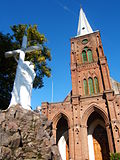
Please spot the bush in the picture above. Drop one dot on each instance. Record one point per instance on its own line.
(114, 156)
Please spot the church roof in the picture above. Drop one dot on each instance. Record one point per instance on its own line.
(83, 24)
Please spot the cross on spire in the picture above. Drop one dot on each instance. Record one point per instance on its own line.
(83, 24)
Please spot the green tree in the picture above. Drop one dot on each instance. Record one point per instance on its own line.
(8, 66)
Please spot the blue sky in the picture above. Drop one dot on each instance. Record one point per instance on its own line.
(58, 20)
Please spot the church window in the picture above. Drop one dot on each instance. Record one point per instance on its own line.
(85, 87)
(84, 56)
(96, 85)
(89, 55)
(84, 41)
(90, 84)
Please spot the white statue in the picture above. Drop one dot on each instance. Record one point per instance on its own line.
(25, 74)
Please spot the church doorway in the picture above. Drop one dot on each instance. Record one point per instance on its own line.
(97, 138)
(62, 138)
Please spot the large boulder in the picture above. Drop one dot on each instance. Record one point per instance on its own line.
(26, 135)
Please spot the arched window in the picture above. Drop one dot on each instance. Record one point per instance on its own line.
(96, 85)
(85, 86)
(89, 55)
(84, 56)
(90, 84)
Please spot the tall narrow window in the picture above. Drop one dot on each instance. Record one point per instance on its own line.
(85, 87)
(91, 88)
(89, 54)
(96, 85)
(84, 56)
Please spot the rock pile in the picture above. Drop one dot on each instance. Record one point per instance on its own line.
(26, 135)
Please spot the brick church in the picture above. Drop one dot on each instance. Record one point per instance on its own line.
(86, 125)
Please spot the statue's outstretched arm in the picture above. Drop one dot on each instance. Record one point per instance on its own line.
(15, 53)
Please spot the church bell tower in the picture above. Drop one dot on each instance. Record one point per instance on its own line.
(88, 63)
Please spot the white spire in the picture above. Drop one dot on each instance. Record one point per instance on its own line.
(83, 24)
